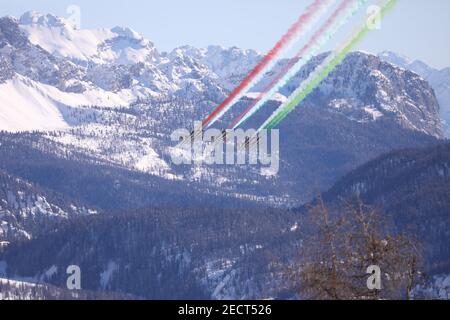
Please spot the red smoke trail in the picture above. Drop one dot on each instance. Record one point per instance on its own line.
(294, 60)
(316, 5)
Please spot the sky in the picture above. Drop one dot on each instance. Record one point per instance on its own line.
(419, 29)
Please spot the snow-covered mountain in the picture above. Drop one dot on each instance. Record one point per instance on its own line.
(439, 80)
(49, 68)
(118, 59)
(231, 65)
(366, 89)
(103, 46)
(107, 67)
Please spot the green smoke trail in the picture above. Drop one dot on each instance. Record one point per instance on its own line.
(323, 72)
(345, 11)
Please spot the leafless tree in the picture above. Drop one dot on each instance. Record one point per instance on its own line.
(339, 248)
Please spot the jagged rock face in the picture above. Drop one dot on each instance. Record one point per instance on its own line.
(118, 59)
(438, 79)
(364, 89)
(6, 69)
(231, 65)
(110, 77)
(11, 34)
(32, 61)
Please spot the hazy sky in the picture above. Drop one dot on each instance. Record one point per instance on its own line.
(419, 29)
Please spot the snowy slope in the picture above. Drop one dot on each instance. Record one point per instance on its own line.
(29, 105)
(23, 107)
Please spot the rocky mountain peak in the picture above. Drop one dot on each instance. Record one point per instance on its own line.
(365, 88)
(438, 79)
(43, 20)
(10, 33)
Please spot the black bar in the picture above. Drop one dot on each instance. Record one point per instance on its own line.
(229, 309)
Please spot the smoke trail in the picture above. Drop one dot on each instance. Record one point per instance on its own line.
(346, 10)
(322, 71)
(306, 20)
